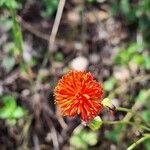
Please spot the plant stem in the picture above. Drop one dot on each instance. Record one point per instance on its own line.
(18, 40)
(56, 24)
(123, 109)
(51, 46)
(118, 122)
(126, 122)
(130, 113)
(135, 107)
(145, 137)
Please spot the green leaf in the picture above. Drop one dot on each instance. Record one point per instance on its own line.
(2, 3)
(147, 144)
(133, 48)
(115, 8)
(8, 98)
(18, 112)
(138, 59)
(82, 138)
(77, 142)
(122, 57)
(143, 95)
(90, 138)
(146, 115)
(109, 84)
(127, 10)
(50, 7)
(9, 106)
(9, 4)
(59, 56)
(125, 7)
(8, 63)
(125, 55)
(143, 8)
(6, 23)
(114, 135)
(10, 110)
(147, 62)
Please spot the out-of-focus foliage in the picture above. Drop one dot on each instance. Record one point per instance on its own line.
(82, 138)
(50, 7)
(110, 84)
(133, 54)
(132, 11)
(136, 12)
(92, 1)
(115, 134)
(10, 4)
(8, 63)
(143, 97)
(59, 56)
(10, 110)
(147, 144)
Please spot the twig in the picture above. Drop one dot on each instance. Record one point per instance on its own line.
(67, 132)
(44, 36)
(36, 142)
(56, 24)
(25, 131)
(53, 131)
(53, 34)
(145, 137)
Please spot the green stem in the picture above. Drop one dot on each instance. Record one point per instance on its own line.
(18, 40)
(137, 105)
(145, 137)
(117, 122)
(123, 109)
(145, 127)
(129, 114)
(126, 122)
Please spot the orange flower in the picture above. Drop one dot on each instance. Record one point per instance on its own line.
(77, 93)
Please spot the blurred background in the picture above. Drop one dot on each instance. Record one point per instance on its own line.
(109, 38)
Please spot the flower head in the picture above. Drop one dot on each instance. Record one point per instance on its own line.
(77, 93)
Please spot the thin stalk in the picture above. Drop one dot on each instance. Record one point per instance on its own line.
(145, 137)
(18, 40)
(130, 112)
(56, 24)
(117, 122)
(53, 34)
(123, 109)
(126, 122)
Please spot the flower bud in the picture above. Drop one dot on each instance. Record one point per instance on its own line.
(96, 123)
(108, 103)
